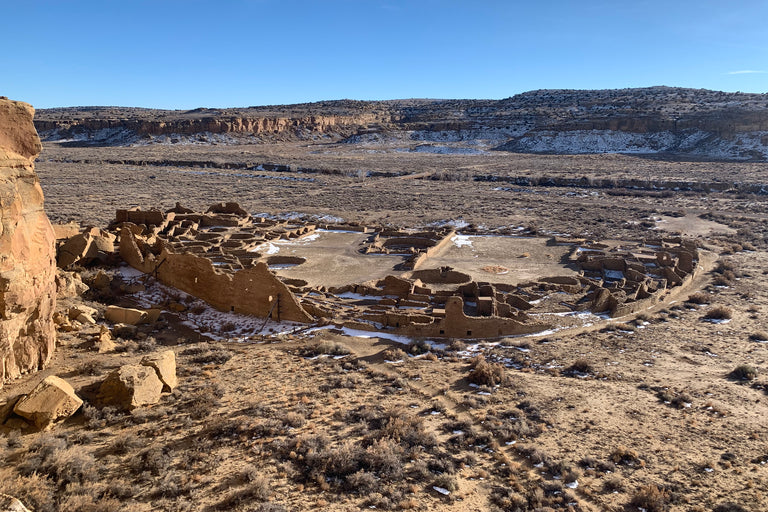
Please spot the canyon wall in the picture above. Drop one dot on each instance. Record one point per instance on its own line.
(27, 253)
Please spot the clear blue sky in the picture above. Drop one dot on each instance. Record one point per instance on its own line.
(187, 54)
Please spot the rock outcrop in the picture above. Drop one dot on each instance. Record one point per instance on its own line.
(27, 252)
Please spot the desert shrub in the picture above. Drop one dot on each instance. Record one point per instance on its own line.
(92, 367)
(123, 443)
(580, 366)
(624, 455)
(326, 347)
(457, 346)
(362, 482)
(699, 298)
(614, 484)
(729, 507)
(201, 354)
(719, 313)
(418, 346)
(36, 491)
(147, 344)
(487, 374)
(743, 372)
(204, 401)
(100, 418)
(383, 458)
(446, 482)
(395, 354)
(293, 419)
(507, 499)
(650, 498)
(257, 490)
(153, 460)
(268, 507)
(87, 503)
(759, 336)
(535, 455)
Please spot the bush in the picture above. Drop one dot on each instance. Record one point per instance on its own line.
(580, 366)
(699, 298)
(650, 498)
(743, 372)
(487, 374)
(326, 347)
(759, 336)
(719, 313)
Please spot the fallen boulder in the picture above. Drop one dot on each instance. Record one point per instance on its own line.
(104, 342)
(131, 386)
(118, 315)
(51, 400)
(85, 248)
(83, 314)
(164, 364)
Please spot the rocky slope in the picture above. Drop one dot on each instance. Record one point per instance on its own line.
(694, 122)
(27, 264)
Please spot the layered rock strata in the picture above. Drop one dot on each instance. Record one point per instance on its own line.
(27, 253)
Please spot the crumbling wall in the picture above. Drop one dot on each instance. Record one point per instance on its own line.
(27, 249)
(252, 291)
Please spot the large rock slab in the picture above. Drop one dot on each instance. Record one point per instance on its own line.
(131, 386)
(51, 400)
(130, 316)
(11, 504)
(27, 249)
(164, 364)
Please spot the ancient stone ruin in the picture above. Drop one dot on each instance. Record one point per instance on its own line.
(222, 256)
(27, 257)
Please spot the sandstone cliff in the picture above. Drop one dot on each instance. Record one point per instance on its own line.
(27, 255)
(648, 120)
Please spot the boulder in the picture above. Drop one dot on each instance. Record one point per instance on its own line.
(69, 284)
(86, 248)
(27, 250)
(81, 309)
(52, 400)
(118, 315)
(101, 281)
(11, 504)
(164, 364)
(104, 342)
(131, 386)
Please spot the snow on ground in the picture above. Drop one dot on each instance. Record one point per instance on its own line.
(743, 146)
(461, 241)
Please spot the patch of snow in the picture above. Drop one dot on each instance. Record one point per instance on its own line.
(461, 241)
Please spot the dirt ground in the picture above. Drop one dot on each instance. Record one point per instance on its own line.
(630, 414)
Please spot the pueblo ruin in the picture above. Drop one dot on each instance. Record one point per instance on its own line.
(232, 260)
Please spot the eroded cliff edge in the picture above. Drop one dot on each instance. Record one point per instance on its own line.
(27, 252)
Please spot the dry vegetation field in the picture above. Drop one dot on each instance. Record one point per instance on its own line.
(665, 410)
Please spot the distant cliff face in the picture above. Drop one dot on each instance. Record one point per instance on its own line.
(27, 264)
(657, 119)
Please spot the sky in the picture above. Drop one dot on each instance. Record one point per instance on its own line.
(237, 53)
